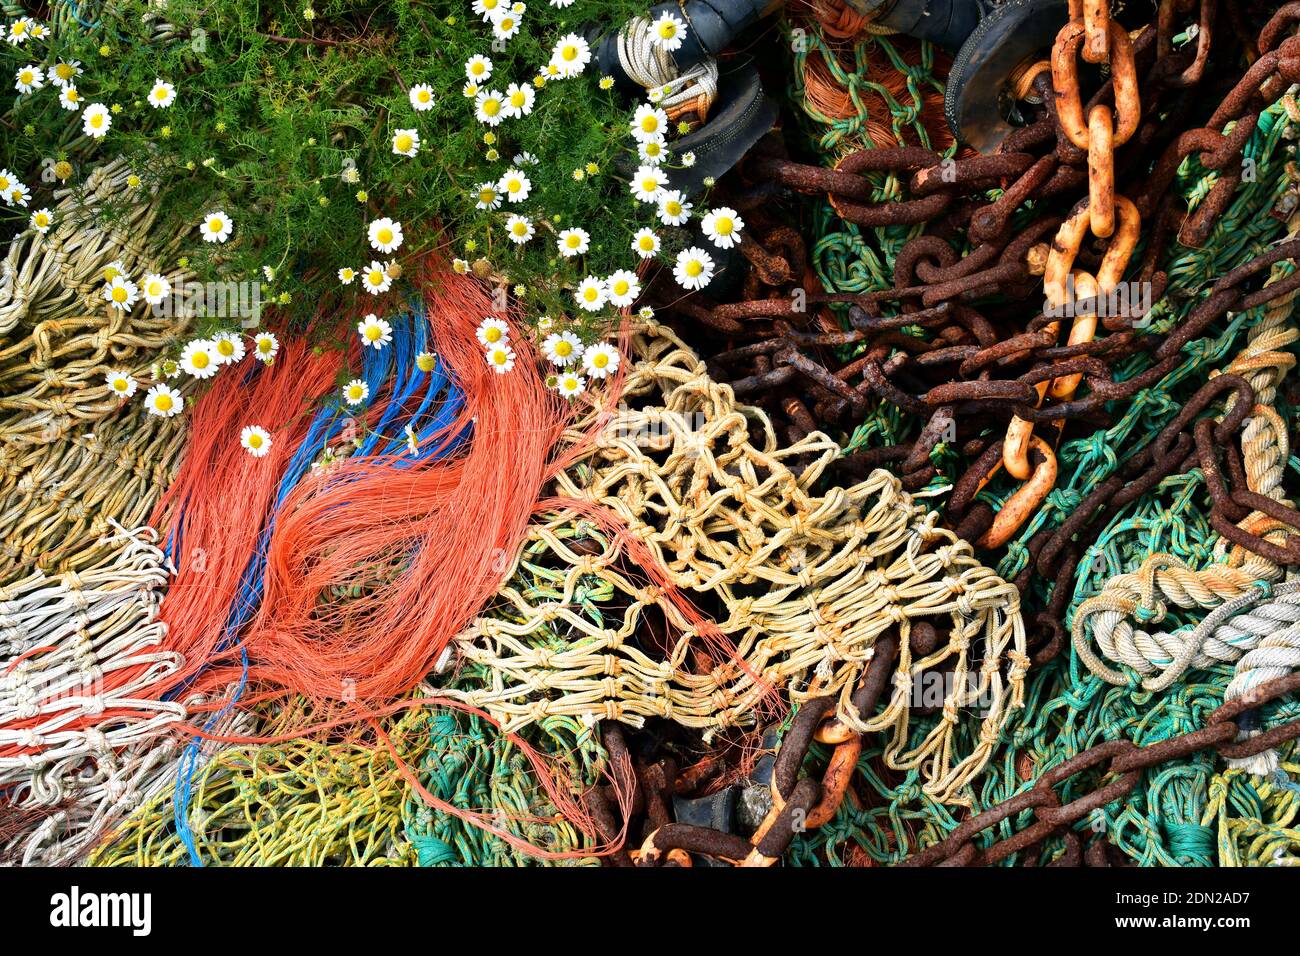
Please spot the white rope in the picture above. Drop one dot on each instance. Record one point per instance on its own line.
(651, 66)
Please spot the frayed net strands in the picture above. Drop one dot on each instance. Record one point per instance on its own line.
(73, 738)
(70, 457)
(803, 585)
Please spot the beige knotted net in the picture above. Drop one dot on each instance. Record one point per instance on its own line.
(72, 456)
(801, 581)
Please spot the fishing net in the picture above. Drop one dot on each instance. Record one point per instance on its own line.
(800, 584)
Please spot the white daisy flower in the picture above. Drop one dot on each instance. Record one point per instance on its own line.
(265, 346)
(520, 229)
(573, 242)
(519, 100)
(29, 79)
(688, 158)
(41, 220)
(268, 273)
(469, 90)
(478, 69)
(571, 55)
(623, 287)
(694, 268)
(561, 4)
(385, 234)
(645, 243)
(347, 274)
(515, 185)
(20, 31)
(591, 294)
(216, 227)
(673, 209)
(162, 95)
(525, 159)
(164, 401)
(649, 120)
(421, 97)
(38, 31)
(406, 142)
(489, 197)
(505, 25)
(229, 346)
(121, 293)
(722, 226)
(489, 107)
(646, 312)
(500, 358)
(652, 149)
(668, 32)
(648, 183)
(17, 195)
(355, 392)
(120, 384)
(375, 332)
(426, 361)
(562, 348)
(200, 359)
(600, 360)
(571, 385)
(487, 9)
(376, 278)
(64, 72)
(96, 120)
(7, 180)
(155, 288)
(113, 270)
(492, 332)
(255, 440)
(70, 98)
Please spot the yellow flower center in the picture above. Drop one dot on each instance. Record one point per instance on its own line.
(225, 347)
(517, 98)
(264, 346)
(255, 440)
(601, 360)
(652, 148)
(570, 52)
(374, 333)
(404, 142)
(73, 95)
(119, 384)
(649, 184)
(646, 243)
(477, 69)
(27, 76)
(650, 124)
(667, 30)
(119, 294)
(673, 208)
(507, 24)
(160, 93)
(723, 226)
(376, 277)
(385, 236)
(486, 195)
(491, 106)
(519, 228)
(42, 219)
(621, 287)
(20, 28)
(63, 71)
(590, 293)
(354, 391)
(163, 403)
(348, 274)
(155, 288)
(199, 360)
(492, 334)
(97, 120)
(694, 267)
(425, 361)
(563, 349)
(423, 96)
(571, 241)
(214, 224)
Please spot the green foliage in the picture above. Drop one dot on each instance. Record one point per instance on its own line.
(276, 102)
